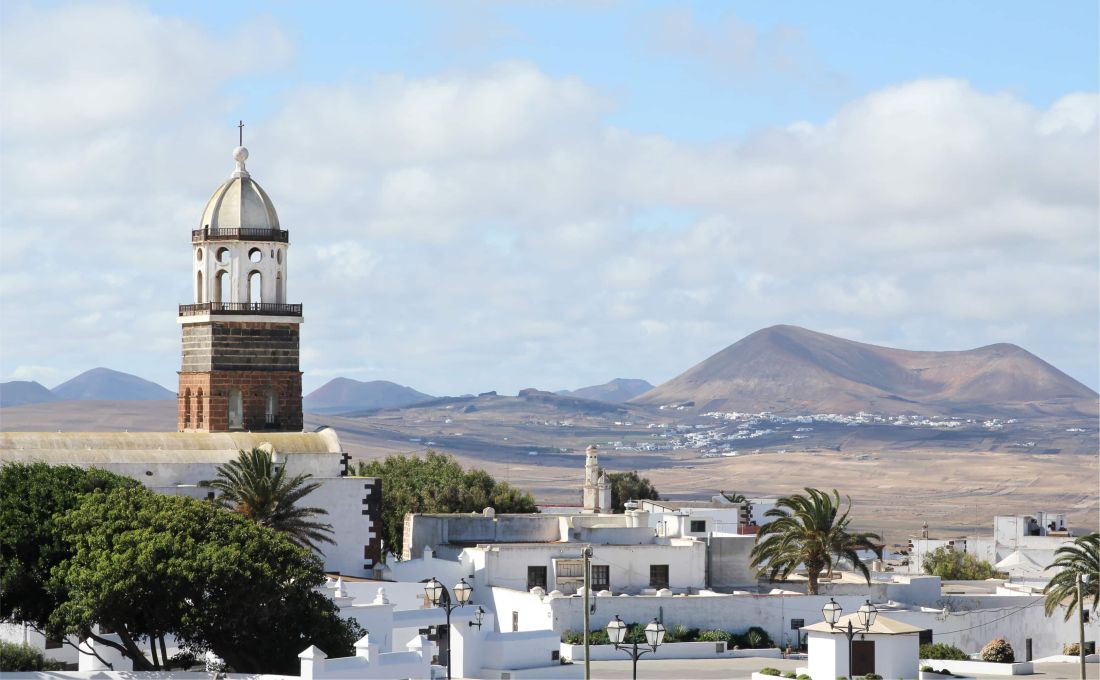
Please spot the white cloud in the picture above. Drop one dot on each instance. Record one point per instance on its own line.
(480, 230)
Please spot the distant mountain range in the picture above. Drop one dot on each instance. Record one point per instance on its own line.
(341, 395)
(98, 384)
(788, 370)
(617, 391)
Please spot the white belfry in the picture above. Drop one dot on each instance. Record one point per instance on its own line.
(597, 489)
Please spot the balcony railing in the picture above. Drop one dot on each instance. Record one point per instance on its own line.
(258, 308)
(240, 234)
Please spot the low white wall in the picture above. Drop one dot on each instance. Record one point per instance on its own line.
(979, 667)
(671, 650)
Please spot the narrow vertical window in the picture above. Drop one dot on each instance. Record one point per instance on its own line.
(236, 410)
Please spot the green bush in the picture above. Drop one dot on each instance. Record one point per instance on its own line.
(926, 669)
(790, 674)
(769, 671)
(803, 676)
(754, 638)
(943, 652)
(15, 657)
(714, 636)
(679, 633)
(872, 676)
(998, 651)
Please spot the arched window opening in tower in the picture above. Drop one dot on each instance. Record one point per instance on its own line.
(198, 288)
(255, 287)
(187, 408)
(222, 291)
(223, 256)
(255, 255)
(280, 297)
(236, 410)
(198, 409)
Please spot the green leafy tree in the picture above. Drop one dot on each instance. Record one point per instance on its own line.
(955, 565)
(260, 489)
(1082, 557)
(812, 530)
(32, 496)
(436, 483)
(627, 486)
(146, 566)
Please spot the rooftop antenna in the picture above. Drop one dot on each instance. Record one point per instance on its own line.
(240, 133)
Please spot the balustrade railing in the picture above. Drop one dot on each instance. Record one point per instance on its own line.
(259, 308)
(239, 234)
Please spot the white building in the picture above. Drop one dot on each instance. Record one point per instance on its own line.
(888, 648)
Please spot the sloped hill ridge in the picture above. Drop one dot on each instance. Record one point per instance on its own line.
(616, 391)
(19, 392)
(341, 395)
(108, 385)
(787, 370)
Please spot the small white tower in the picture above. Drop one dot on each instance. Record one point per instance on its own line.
(597, 488)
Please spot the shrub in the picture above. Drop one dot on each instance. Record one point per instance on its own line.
(756, 638)
(943, 652)
(16, 657)
(769, 671)
(926, 669)
(789, 674)
(1071, 649)
(872, 676)
(595, 637)
(714, 636)
(803, 676)
(998, 651)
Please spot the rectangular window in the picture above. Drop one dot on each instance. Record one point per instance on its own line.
(515, 622)
(698, 526)
(658, 576)
(536, 577)
(601, 577)
(52, 643)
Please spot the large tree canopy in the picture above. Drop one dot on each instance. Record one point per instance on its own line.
(261, 490)
(627, 486)
(146, 565)
(809, 529)
(436, 483)
(956, 565)
(31, 497)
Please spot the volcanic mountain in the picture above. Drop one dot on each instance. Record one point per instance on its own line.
(616, 391)
(791, 370)
(104, 384)
(343, 395)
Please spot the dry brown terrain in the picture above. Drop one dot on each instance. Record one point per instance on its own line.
(895, 487)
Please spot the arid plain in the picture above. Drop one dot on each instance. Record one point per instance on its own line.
(897, 479)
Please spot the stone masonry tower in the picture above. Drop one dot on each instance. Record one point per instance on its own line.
(240, 337)
(597, 488)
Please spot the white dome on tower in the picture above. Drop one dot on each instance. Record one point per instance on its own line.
(239, 203)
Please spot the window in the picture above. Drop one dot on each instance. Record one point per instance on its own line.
(255, 255)
(536, 576)
(698, 526)
(53, 643)
(198, 409)
(187, 408)
(198, 287)
(601, 577)
(255, 287)
(658, 576)
(236, 410)
(515, 622)
(271, 408)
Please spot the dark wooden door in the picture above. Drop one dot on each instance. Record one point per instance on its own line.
(863, 657)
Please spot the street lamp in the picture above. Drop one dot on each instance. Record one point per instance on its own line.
(439, 597)
(654, 636)
(866, 615)
(479, 615)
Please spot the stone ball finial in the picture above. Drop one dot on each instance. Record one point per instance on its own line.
(240, 154)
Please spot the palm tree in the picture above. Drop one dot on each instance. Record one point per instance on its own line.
(807, 530)
(258, 488)
(1082, 557)
(734, 497)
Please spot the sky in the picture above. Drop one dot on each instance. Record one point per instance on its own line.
(501, 195)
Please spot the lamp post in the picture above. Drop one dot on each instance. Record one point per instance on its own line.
(866, 615)
(439, 597)
(654, 635)
(479, 615)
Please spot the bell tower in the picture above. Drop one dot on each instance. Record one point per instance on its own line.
(240, 336)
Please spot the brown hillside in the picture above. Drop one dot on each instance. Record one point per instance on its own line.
(786, 369)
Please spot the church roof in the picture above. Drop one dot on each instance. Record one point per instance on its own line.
(881, 626)
(240, 202)
(174, 447)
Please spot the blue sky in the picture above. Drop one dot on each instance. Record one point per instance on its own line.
(554, 194)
